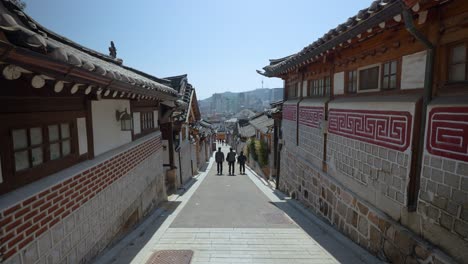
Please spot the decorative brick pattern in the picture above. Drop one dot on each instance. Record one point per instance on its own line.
(49, 211)
(386, 169)
(447, 132)
(289, 129)
(290, 112)
(355, 218)
(310, 116)
(391, 129)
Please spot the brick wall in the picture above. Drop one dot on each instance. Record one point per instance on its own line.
(74, 219)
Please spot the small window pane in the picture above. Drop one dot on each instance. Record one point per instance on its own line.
(36, 135)
(457, 72)
(458, 54)
(386, 68)
(37, 156)
(394, 67)
(21, 160)
(53, 133)
(385, 83)
(19, 139)
(369, 78)
(66, 147)
(65, 130)
(55, 151)
(392, 82)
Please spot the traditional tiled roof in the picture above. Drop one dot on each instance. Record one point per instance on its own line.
(22, 31)
(378, 12)
(247, 131)
(262, 123)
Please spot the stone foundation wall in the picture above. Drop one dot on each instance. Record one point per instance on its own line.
(360, 221)
(72, 220)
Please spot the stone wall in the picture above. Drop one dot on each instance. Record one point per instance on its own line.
(360, 221)
(71, 220)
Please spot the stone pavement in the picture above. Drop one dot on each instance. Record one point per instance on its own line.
(235, 219)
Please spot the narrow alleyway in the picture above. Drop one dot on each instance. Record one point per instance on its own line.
(235, 219)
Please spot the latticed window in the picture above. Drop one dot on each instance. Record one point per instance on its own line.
(389, 75)
(457, 68)
(38, 145)
(351, 85)
(327, 85)
(147, 120)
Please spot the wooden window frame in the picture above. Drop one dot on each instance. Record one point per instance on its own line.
(397, 74)
(13, 179)
(448, 62)
(379, 65)
(353, 81)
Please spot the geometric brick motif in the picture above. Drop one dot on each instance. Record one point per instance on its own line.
(390, 129)
(447, 132)
(310, 116)
(290, 112)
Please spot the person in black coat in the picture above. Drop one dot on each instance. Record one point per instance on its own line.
(241, 159)
(219, 158)
(231, 159)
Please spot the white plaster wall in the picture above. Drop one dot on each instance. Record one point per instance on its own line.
(82, 135)
(413, 70)
(136, 123)
(155, 118)
(304, 88)
(338, 83)
(106, 129)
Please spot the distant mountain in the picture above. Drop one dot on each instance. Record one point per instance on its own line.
(259, 92)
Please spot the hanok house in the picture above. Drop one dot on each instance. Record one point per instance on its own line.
(375, 129)
(80, 146)
(203, 132)
(185, 146)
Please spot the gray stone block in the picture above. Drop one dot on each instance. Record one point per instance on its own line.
(57, 233)
(452, 208)
(433, 213)
(426, 172)
(448, 165)
(462, 168)
(431, 186)
(44, 243)
(400, 198)
(437, 175)
(426, 160)
(446, 221)
(461, 228)
(464, 184)
(383, 153)
(443, 190)
(452, 180)
(459, 197)
(436, 162)
(363, 226)
(30, 253)
(401, 159)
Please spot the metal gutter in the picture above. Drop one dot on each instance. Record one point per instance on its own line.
(427, 97)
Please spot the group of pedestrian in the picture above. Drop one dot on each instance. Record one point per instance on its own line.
(231, 159)
(221, 141)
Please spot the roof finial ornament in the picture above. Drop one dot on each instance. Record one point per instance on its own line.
(112, 50)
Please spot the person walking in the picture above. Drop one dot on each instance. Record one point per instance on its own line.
(231, 159)
(219, 158)
(241, 160)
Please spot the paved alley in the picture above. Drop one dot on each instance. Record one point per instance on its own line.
(234, 219)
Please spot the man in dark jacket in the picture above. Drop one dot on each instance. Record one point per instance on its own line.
(231, 159)
(219, 158)
(241, 160)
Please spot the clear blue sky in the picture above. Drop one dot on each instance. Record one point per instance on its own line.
(218, 43)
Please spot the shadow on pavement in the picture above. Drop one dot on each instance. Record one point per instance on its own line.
(321, 236)
(130, 244)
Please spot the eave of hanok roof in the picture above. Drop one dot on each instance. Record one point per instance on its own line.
(375, 15)
(32, 48)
